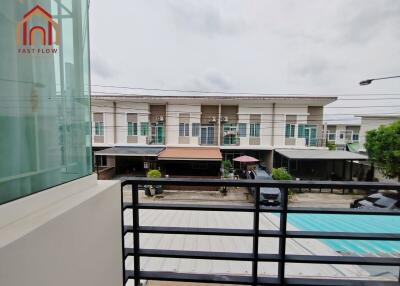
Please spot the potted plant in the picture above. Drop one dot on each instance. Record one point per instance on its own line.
(151, 190)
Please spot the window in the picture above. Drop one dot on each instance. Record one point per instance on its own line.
(355, 137)
(254, 129)
(301, 131)
(144, 128)
(242, 129)
(101, 161)
(290, 130)
(341, 136)
(132, 128)
(195, 129)
(99, 128)
(183, 129)
(331, 136)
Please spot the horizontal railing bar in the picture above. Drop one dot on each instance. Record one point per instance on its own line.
(246, 280)
(203, 231)
(354, 260)
(231, 208)
(196, 231)
(126, 206)
(250, 208)
(265, 233)
(341, 211)
(259, 183)
(197, 278)
(335, 282)
(192, 254)
(290, 258)
(343, 235)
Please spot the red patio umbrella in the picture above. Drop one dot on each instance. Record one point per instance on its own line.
(245, 159)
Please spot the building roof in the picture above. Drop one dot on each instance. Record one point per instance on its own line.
(131, 151)
(206, 98)
(191, 153)
(317, 154)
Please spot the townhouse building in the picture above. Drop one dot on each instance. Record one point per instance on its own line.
(342, 135)
(187, 135)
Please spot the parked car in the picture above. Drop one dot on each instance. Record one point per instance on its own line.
(269, 196)
(390, 201)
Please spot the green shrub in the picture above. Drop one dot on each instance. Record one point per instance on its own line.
(281, 174)
(331, 146)
(154, 174)
(227, 165)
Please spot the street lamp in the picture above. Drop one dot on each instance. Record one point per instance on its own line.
(368, 81)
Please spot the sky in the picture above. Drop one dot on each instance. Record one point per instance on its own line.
(281, 47)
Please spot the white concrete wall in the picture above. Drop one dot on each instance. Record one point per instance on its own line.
(266, 123)
(67, 235)
(369, 123)
(281, 111)
(172, 133)
(194, 109)
(125, 107)
(105, 107)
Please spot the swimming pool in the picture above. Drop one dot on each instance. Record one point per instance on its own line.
(352, 223)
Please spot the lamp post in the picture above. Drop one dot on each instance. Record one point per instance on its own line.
(368, 81)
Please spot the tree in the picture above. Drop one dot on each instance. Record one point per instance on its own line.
(383, 148)
(281, 174)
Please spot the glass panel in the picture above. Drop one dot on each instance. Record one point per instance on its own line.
(144, 128)
(242, 129)
(44, 93)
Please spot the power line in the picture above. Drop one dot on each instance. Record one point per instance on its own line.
(240, 93)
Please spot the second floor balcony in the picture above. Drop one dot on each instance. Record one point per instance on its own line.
(256, 243)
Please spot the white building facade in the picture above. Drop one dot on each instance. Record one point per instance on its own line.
(235, 124)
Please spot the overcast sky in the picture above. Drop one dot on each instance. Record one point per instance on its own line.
(299, 46)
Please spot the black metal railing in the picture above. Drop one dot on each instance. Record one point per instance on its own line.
(255, 257)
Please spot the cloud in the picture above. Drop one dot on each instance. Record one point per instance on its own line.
(205, 18)
(100, 67)
(362, 21)
(210, 81)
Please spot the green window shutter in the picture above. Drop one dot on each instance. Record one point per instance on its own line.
(132, 128)
(287, 131)
(257, 127)
(242, 129)
(300, 132)
(130, 131)
(292, 130)
(144, 128)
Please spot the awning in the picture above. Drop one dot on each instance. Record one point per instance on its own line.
(353, 147)
(130, 151)
(191, 153)
(314, 154)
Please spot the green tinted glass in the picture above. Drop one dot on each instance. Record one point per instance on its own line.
(44, 92)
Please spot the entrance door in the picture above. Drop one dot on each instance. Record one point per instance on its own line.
(157, 133)
(207, 135)
(310, 133)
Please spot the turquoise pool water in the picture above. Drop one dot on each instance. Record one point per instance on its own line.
(351, 223)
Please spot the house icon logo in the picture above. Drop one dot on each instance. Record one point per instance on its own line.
(37, 39)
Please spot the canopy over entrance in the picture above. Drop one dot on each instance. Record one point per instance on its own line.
(191, 153)
(320, 154)
(136, 151)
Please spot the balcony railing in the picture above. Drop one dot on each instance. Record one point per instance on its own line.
(255, 233)
(155, 140)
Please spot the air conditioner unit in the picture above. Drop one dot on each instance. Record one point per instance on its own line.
(224, 119)
(160, 118)
(212, 119)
